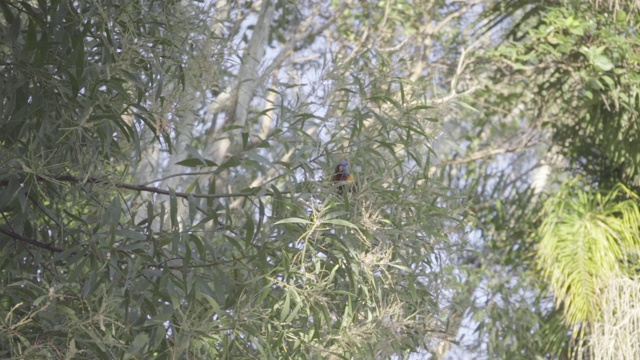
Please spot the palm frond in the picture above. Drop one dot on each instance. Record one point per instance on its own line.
(583, 241)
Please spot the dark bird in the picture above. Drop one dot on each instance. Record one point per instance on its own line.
(343, 177)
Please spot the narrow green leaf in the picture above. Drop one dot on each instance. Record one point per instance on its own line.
(196, 162)
(173, 208)
(340, 222)
(293, 221)
(284, 312)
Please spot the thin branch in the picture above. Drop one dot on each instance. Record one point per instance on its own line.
(451, 96)
(524, 143)
(453, 15)
(211, 172)
(46, 211)
(304, 31)
(156, 190)
(143, 188)
(29, 241)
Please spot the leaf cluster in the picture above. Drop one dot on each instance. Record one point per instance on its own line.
(559, 101)
(93, 266)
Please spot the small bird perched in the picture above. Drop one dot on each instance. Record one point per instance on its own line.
(343, 175)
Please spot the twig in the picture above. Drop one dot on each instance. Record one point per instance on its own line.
(180, 174)
(524, 143)
(27, 240)
(452, 96)
(143, 188)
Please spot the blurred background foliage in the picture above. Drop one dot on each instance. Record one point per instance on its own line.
(165, 178)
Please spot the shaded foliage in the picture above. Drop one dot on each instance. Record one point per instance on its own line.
(228, 262)
(558, 102)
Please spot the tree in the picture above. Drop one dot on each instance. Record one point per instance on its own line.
(230, 253)
(559, 102)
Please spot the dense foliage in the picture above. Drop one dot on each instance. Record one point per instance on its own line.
(556, 193)
(251, 253)
(165, 179)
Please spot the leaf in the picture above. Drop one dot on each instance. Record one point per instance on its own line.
(284, 312)
(152, 272)
(130, 234)
(340, 222)
(165, 314)
(466, 106)
(138, 344)
(231, 163)
(293, 221)
(249, 228)
(112, 213)
(602, 62)
(245, 139)
(158, 335)
(196, 162)
(173, 208)
(421, 107)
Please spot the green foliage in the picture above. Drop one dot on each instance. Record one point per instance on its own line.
(586, 76)
(79, 82)
(228, 262)
(584, 240)
(76, 74)
(558, 99)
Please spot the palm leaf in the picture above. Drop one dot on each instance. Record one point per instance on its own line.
(583, 240)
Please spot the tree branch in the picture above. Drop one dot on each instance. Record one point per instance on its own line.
(143, 188)
(525, 142)
(29, 241)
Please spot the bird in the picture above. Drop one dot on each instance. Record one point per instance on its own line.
(343, 177)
